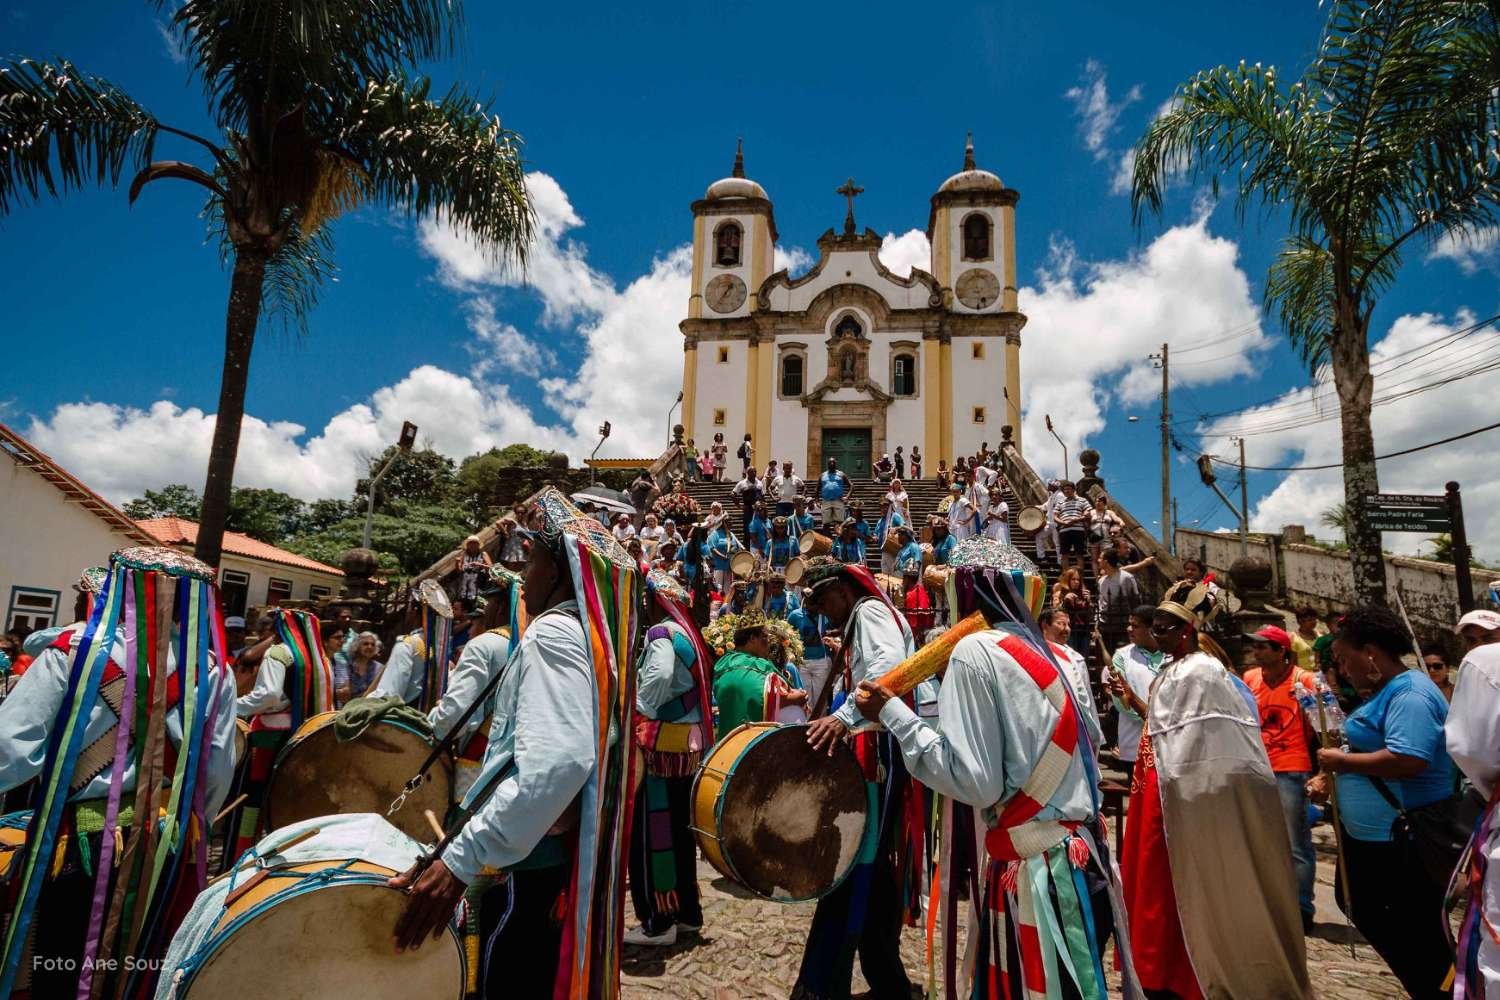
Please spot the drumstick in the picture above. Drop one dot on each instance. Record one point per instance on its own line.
(229, 808)
(437, 827)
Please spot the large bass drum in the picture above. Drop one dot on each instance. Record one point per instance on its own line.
(313, 922)
(317, 775)
(775, 815)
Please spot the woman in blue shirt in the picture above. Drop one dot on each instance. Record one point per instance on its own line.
(1395, 737)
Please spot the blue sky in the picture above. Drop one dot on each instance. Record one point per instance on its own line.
(627, 116)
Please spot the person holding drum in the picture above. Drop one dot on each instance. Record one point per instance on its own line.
(1011, 745)
(800, 521)
(864, 914)
(60, 726)
(545, 809)
(672, 731)
(849, 547)
(996, 520)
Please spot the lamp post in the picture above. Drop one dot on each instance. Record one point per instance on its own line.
(603, 437)
(1064, 447)
(408, 438)
(670, 410)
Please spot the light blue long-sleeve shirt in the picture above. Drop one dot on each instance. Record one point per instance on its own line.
(543, 741)
(29, 713)
(404, 671)
(880, 642)
(482, 658)
(664, 675)
(995, 726)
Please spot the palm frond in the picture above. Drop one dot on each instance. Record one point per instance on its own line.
(1301, 288)
(449, 157)
(259, 59)
(1234, 121)
(295, 276)
(61, 129)
(340, 187)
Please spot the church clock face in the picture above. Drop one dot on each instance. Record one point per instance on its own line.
(726, 293)
(977, 288)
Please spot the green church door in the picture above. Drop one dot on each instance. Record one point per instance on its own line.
(851, 446)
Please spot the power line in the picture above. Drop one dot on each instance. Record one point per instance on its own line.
(1383, 367)
(1378, 458)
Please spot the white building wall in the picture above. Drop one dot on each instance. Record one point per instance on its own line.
(262, 573)
(46, 540)
(742, 271)
(955, 249)
(849, 267)
(978, 382)
(721, 386)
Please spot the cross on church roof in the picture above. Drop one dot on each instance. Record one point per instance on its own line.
(850, 191)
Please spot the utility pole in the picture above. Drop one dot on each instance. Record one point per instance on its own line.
(1166, 449)
(1172, 548)
(1244, 505)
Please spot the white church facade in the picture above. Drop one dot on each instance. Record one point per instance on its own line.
(849, 360)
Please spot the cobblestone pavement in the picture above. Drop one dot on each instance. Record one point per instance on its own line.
(751, 948)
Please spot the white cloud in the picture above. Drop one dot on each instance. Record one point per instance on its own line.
(904, 252)
(1097, 115)
(171, 41)
(557, 267)
(793, 260)
(1124, 175)
(1470, 251)
(1092, 326)
(1399, 357)
(632, 362)
(500, 346)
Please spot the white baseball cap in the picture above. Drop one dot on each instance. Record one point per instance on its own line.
(1487, 620)
(234, 621)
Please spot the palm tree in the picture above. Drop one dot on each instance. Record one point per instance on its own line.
(1385, 142)
(317, 112)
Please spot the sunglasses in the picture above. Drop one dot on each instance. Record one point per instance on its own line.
(1167, 629)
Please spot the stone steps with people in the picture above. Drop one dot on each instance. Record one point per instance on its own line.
(924, 497)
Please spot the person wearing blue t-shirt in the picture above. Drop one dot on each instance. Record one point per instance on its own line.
(848, 547)
(799, 521)
(719, 547)
(911, 553)
(780, 547)
(833, 487)
(758, 533)
(1396, 754)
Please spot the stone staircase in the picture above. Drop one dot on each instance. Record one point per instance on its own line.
(924, 496)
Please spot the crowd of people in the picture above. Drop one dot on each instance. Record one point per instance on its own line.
(988, 702)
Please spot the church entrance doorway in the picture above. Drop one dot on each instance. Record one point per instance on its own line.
(851, 446)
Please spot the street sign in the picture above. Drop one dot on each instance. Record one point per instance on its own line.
(1408, 519)
(1438, 501)
(1408, 512)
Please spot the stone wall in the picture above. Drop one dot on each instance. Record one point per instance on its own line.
(1311, 574)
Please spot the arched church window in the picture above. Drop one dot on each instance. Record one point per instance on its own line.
(977, 237)
(848, 328)
(727, 244)
(904, 375)
(791, 375)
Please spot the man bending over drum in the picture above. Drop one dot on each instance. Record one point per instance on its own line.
(1014, 747)
(543, 809)
(875, 637)
(672, 730)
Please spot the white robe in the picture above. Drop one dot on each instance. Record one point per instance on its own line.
(1473, 732)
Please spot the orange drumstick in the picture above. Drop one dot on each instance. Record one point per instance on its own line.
(927, 661)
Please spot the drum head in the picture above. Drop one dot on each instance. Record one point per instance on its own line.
(794, 569)
(319, 776)
(791, 817)
(330, 942)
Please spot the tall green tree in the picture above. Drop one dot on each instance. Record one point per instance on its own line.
(317, 111)
(174, 500)
(1387, 141)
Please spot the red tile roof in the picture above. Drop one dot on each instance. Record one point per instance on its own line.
(177, 532)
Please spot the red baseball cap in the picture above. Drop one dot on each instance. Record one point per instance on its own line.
(1270, 633)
